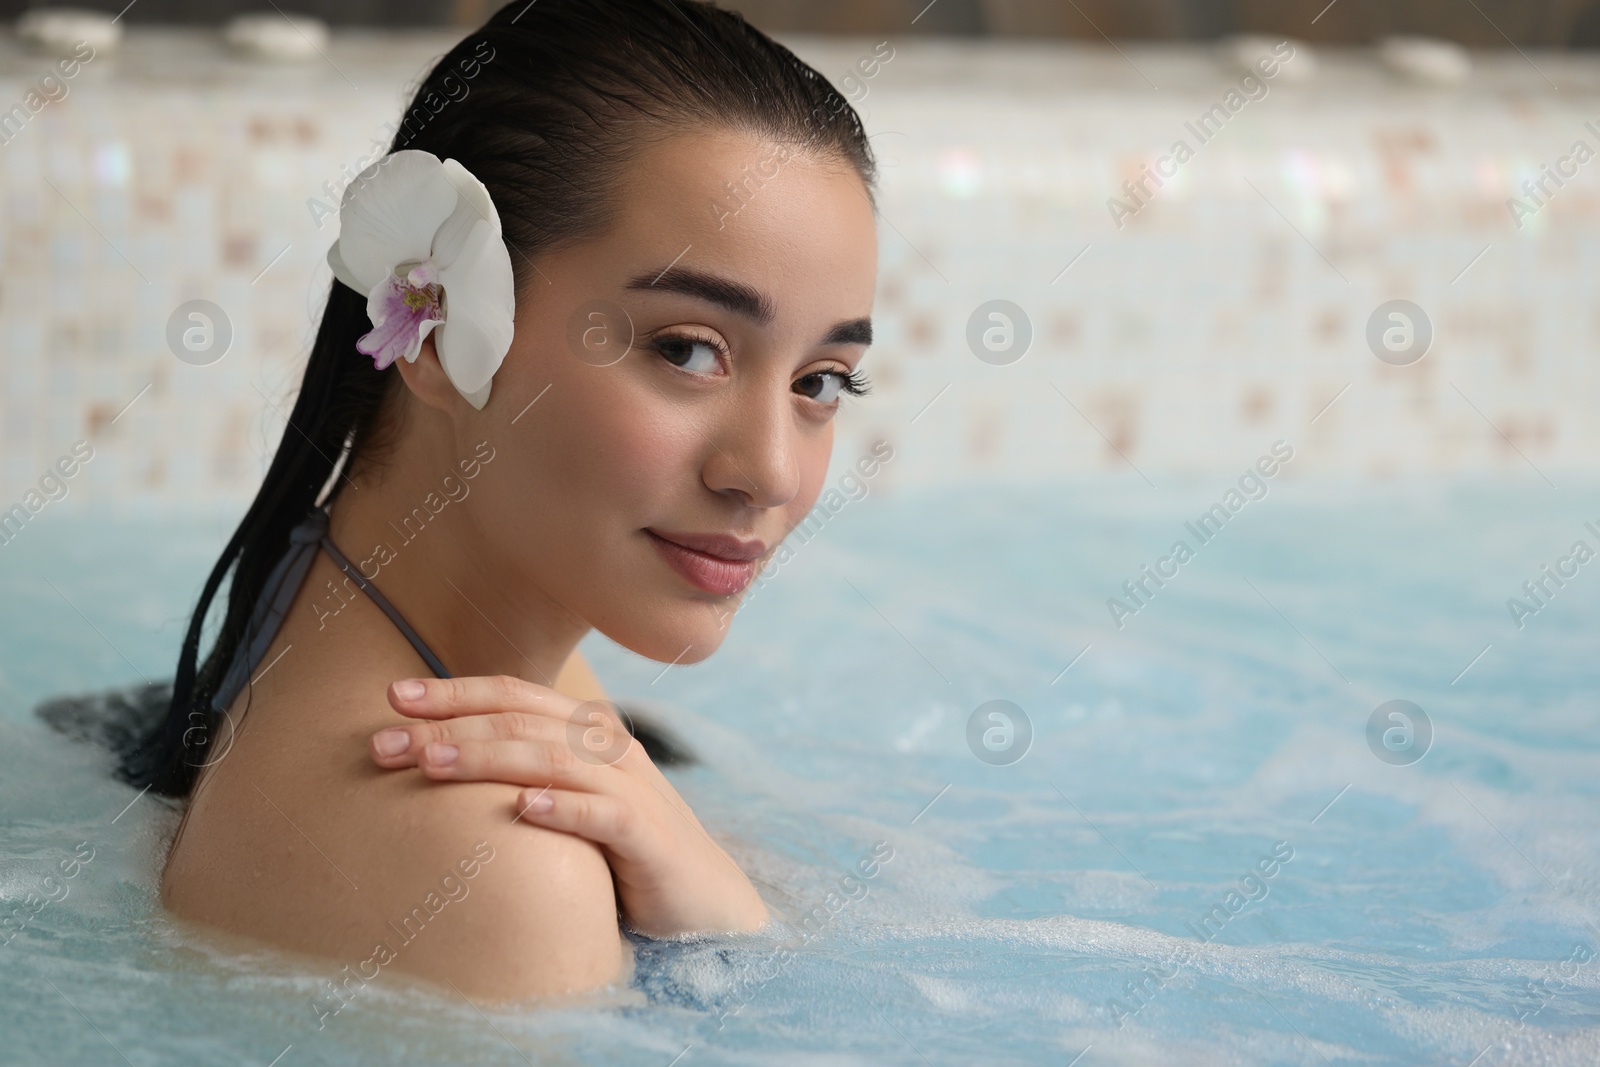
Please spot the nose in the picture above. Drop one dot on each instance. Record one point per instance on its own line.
(754, 451)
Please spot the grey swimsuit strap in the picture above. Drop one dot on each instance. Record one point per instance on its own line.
(278, 593)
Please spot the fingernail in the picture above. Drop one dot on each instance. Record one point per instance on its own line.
(411, 689)
(538, 804)
(440, 755)
(391, 742)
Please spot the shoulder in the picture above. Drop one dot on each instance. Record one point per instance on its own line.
(297, 839)
(577, 679)
(499, 908)
(433, 879)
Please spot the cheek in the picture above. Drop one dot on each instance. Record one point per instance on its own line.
(813, 453)
(598, 457)
(621, 446)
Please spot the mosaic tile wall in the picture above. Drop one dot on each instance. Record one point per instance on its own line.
(1229, 310)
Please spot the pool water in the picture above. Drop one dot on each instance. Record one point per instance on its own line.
(1200, 858)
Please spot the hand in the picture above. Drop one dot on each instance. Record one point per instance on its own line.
(587, 777)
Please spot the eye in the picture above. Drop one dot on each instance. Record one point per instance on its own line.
(824, 386)
(698, 355)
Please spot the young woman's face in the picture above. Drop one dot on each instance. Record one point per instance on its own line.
(745, 277)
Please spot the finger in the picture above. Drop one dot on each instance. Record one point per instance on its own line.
(448, 698)
(402, 746)
(537, 763)
(605, 820)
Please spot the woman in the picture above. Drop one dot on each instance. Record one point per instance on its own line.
(686, 213)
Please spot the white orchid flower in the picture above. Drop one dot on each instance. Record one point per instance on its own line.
(422, 239)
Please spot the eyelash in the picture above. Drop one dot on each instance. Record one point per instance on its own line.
(854, 383)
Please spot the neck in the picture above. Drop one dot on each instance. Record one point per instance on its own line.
(411, 529)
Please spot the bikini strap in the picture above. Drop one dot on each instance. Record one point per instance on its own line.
(355, 575)
(278, 593)
(266, 617)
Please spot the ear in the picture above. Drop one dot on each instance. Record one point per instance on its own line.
(427, 381)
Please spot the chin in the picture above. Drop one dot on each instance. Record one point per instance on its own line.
(679, 633)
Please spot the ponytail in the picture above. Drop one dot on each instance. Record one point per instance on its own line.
(336, 414)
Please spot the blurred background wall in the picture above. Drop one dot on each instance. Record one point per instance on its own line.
(1176, 343)
(1483, 23)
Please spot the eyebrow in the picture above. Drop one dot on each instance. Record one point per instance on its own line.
(741, 299)
(852, 332)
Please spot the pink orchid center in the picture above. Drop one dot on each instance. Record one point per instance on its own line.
(421, 289)
(401, 314)
(421, 298)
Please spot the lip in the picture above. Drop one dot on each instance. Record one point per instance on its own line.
(715, 563)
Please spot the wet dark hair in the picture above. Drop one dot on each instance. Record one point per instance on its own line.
(546, 105)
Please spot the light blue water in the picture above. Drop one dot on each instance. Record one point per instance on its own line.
(1420, 913)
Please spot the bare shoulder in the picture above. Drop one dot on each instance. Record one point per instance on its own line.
(577, 679)
(297, 839)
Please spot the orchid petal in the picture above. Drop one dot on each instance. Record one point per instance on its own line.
(472, 206)
(424, 328)
(397, 340)
(424, 242)
(479, 398)
(390, 341)
(404, 199)
(342, 272)
(481, 300)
